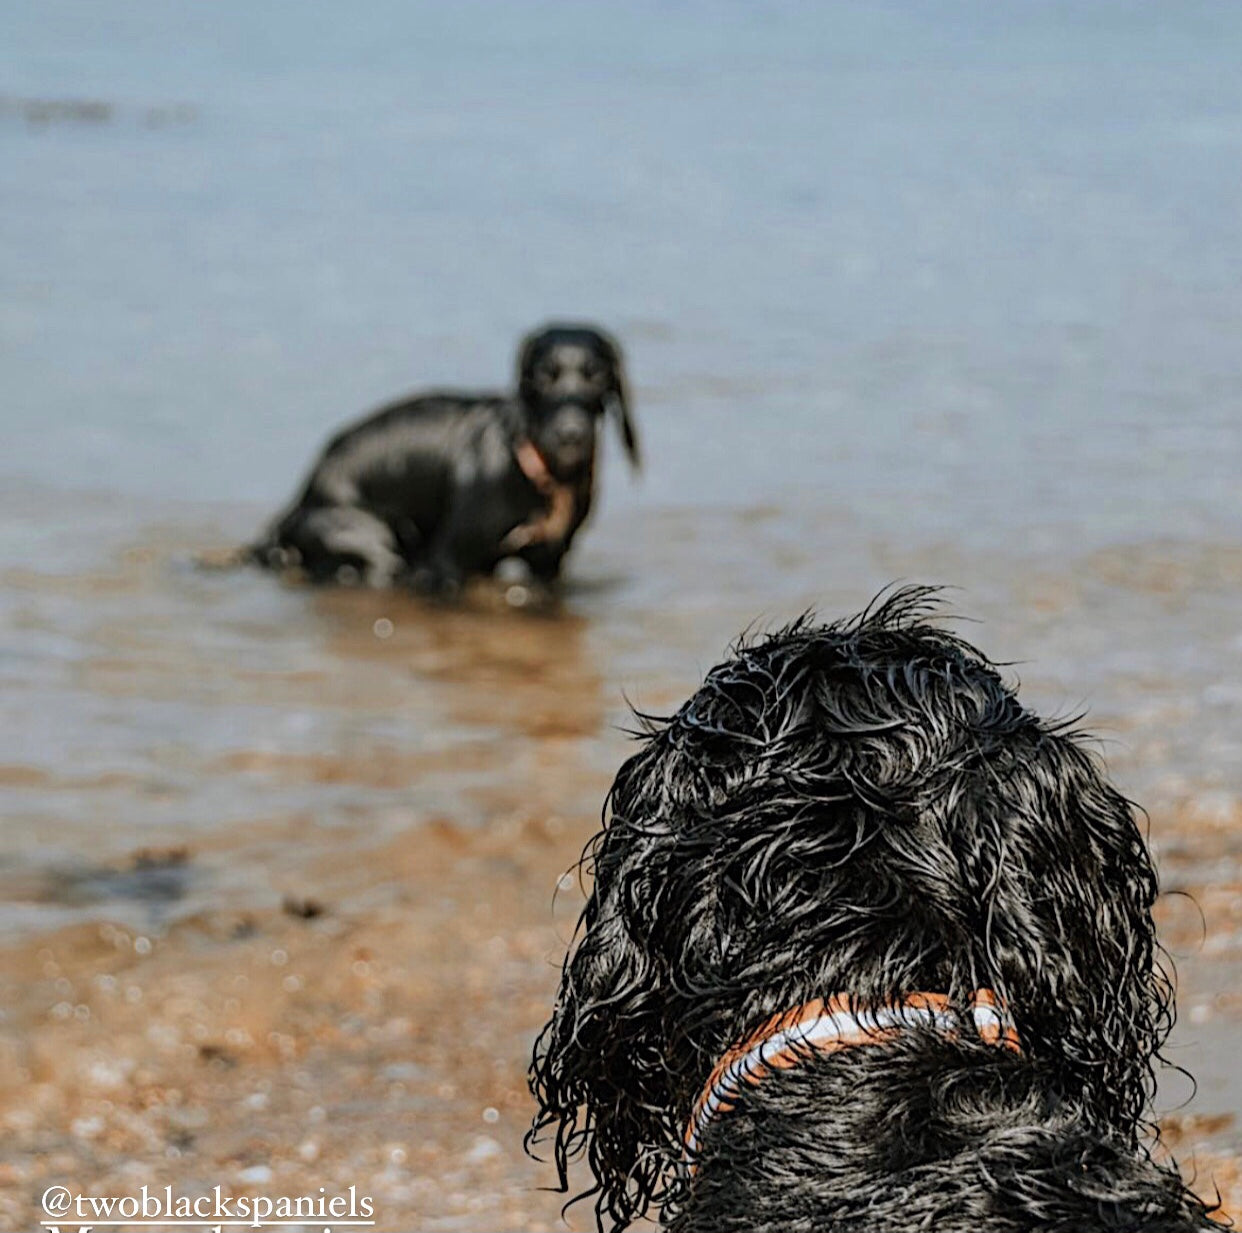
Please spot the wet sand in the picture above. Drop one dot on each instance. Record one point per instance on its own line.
(279, 886)
(381, 1043)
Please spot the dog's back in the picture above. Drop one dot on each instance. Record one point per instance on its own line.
(380, 490)
(400, 460)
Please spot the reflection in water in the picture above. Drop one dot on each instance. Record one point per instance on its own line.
(488, 665)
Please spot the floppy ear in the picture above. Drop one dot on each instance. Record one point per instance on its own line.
(1066, 885)
(619, 405)
(599, 1074)
(525, 365)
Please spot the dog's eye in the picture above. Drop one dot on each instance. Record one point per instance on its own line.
(551, 370)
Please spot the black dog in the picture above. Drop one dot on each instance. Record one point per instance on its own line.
(444, 485)
(869, 947)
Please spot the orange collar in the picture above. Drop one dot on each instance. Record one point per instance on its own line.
(790, 1037)
(555, 522)
(534, 465)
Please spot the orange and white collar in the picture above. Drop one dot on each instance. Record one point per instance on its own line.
(828, 1026)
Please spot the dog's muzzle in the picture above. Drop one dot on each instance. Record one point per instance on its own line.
(818, 1027)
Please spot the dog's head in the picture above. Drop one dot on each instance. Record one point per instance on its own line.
(861, 808)
(568, 376)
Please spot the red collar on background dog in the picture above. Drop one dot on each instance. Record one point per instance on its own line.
(790, 1037)
(533, 465)
(555, 522)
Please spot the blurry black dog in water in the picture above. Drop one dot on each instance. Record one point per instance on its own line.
(441, 486)
(869, 946)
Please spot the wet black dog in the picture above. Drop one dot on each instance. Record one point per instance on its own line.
(444, 485)
(869, 947)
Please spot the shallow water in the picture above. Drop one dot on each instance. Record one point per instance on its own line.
(950, 299)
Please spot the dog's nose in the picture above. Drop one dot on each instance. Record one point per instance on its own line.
(573, 436)
(572, 425)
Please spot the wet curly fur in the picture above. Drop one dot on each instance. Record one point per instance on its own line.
(864, 808)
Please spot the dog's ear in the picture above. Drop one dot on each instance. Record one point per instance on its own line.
(1054, 856)
(599, 1073)
(529, 351)
(619, 403)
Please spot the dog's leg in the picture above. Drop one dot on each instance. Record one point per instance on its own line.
(466, 542)
(343, 544)
(439, 574)
(544, 560)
